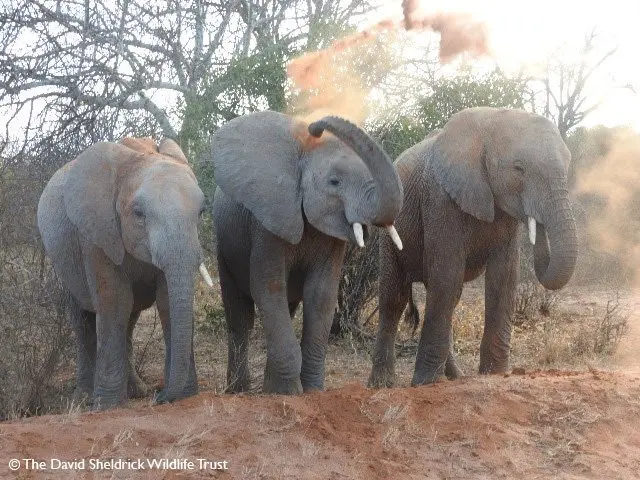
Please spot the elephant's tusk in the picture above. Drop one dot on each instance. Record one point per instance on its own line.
(357, 231)
(394, 236)
(532, 230)
(205, 275)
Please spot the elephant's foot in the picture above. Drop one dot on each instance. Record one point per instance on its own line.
(276, 384)
(493, 364)
(105, 402)
(136, 387)
(492, 368)
(451, 369)
(238, 381)
(165, 396)
(425, 377)
(315, 384)
(381, 378)
(82, 395)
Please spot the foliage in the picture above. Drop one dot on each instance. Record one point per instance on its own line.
(465, 90)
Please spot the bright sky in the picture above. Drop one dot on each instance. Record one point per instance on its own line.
(525, 32)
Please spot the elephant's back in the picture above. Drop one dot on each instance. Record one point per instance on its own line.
(60, 238)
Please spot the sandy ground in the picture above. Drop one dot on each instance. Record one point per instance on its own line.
(552, 424)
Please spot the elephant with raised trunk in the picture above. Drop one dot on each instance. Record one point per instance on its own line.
(120, 223)
(288, 199)
(467, 189)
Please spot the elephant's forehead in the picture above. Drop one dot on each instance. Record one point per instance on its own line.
(336, 154)
(165, 180)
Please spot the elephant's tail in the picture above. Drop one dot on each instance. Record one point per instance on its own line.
(411, 314)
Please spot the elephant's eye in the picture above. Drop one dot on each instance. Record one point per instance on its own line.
(334, 182)
(519, 167)
(138, 213)
(201, 212)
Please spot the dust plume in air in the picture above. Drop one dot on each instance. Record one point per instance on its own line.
(338, 79)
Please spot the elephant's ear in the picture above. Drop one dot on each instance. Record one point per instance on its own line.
(89, 197)
(257, 163)
(171, 149)
(458, 164)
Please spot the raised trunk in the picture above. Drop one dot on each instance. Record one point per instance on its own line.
(180, 284)
(386, 200)
(556, 247)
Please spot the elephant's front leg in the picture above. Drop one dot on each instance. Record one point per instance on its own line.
(500, 288)
(434, 348)
(320, 293)
(269, 291)
(113, 299)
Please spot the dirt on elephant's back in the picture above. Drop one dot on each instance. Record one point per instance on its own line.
(544, 425)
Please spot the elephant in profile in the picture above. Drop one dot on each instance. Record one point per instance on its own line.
(288, 199)
(120, 226)
(467, 188)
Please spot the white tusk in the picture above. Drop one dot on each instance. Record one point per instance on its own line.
(532, 230)
(394, 236)
(205, 275)
(357, 231)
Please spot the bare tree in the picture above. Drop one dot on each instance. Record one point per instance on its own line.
(67, 62)
(566, 101)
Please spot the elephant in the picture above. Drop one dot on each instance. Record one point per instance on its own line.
(120, 225)
(467, 188)
(288, 199)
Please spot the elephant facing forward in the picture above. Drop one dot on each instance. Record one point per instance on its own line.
(120, 225)
(466, 188)
(288, 199)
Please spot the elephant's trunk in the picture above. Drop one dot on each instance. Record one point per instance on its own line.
(556, 246)
(386, 200)
(180, 285)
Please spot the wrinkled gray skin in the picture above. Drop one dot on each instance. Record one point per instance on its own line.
(467, 188)
(120, 226)
(283, 212)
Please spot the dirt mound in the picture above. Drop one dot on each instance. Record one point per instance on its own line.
(544, 425)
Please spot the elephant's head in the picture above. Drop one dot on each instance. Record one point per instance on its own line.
(142, 200)
(284, 171)
(487, 158)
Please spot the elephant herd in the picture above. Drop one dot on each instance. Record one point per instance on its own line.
(120, 224)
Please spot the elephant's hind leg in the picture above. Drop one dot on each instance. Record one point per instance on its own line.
(394, 293)
(239, 313)
(84, 326)
(136, 388)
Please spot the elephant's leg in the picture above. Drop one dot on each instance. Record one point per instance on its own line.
(500, 288)
(162, 304)
(269, 291)
(435, 340)
(320, 293)
(113, 298)
(393, 293)
(84, 326)
(239, 312)
(451, 368)
(136, 388)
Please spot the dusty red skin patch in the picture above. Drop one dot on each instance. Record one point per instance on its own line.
(274, 286)
(142, 145)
